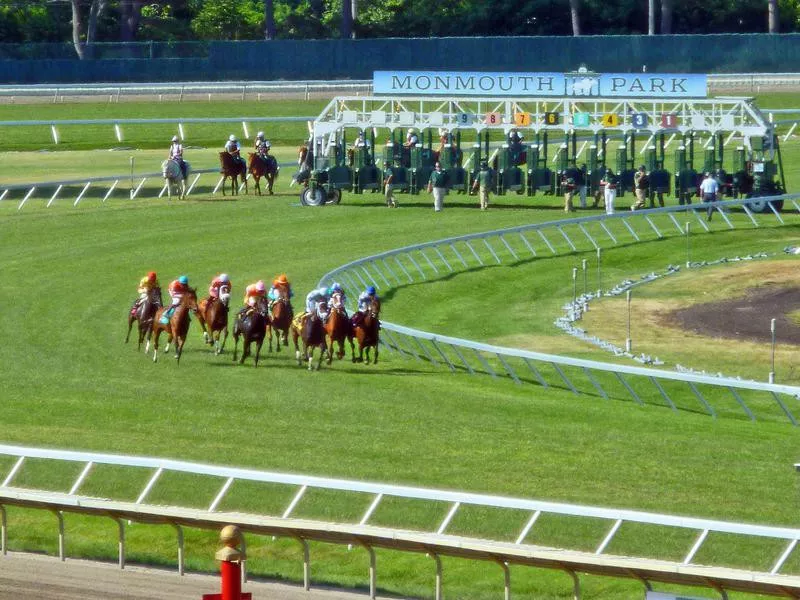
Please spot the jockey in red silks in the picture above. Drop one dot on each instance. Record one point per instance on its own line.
(176, 154)
(232, 148)
(219, 282)
(177, 289)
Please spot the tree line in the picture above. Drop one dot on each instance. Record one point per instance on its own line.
(84, 22)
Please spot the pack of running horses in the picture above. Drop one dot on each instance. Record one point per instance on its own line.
(321, 329)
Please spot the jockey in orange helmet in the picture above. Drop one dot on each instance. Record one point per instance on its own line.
(219, 282)
(147, 284)
(281, 288)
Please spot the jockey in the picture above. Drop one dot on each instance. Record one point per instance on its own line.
(177, 289)
(232, 147)
(364, 300)
(148, 283)
(218, 282)
(280, 286)
(262, 146)
(362, 141)
(411, 138)
(252, 293)
(176, 154)
(314, 298)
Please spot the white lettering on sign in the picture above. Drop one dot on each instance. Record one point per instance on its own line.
(477, 83)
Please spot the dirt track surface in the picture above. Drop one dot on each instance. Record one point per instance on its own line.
(36, 577)
(745, 318)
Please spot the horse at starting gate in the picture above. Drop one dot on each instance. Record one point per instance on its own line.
(230, 167)
(212, 314)
(176, 327)
(366, 331)
(252, 326)
(143, 312)
(305, 161)
(263, 166)
(311, 330)
(337, 328)
(173, 178)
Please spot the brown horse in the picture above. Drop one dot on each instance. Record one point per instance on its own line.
(338, 328)
(366, 332)
(143, 313)
(212, 314)
(312, 332)
(263, 167)
(177, 326)
(230, 167)
(252, 327)
(279, 322)
(305, 161)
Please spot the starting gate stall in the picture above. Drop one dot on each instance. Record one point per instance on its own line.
(659, 177)
(365, 174)
(620, 106)
(508, 175)
(451, 158)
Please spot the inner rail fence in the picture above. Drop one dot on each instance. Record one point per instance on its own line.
(606, 549)
(138, 187)
(752, 82)
(710, 394)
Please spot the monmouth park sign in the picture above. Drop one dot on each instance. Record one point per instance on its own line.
(579, 84)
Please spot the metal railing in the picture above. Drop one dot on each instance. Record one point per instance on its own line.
(431, 260)
(437, 541)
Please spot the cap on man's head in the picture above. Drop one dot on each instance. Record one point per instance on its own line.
(642, 168)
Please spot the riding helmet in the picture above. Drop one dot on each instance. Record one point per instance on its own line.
(336, 287)
(183, 280)
(174, 138)
(282, 279)
(260, 135)
(371, 290)
(151, 276)
(260, 287)
(224, 278)
(231, 138)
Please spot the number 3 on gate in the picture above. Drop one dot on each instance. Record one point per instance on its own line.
(493, 118)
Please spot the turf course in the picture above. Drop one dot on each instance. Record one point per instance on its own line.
(70, 274)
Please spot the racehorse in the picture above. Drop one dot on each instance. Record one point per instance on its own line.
(176, 327)
(212, 314)
(144, 314)
(366, 332)
(263, 167)
(312, 331)
(233, 169)
(173, 176)
(305, 160)
(253, 328)
(279, 321)
(338, 328)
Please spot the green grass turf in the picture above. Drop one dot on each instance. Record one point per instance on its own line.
(70, 274)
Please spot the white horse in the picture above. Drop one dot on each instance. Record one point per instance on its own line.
(171, 171)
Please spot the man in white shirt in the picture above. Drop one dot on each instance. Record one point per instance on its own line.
(709, 189)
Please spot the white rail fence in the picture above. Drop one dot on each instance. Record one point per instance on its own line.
(180, 124)
(136, 185)
(437, 542)
(678, 391)
(740, 81)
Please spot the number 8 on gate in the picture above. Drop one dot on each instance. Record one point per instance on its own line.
(493, 118)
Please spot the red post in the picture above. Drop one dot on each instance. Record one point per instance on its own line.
(230, 566)
(231, 573)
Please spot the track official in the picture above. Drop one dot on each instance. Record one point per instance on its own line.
(437, 187)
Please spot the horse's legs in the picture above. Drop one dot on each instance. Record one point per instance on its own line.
(201, 320)
(375, 361)
(179, 341)
(258, 350)
(269, 335)
(352, 348)
(270, 182)
(131, 319)
(321, 354)
(257, 181)
(245, 350)
(154, 336)
(295, 336)
(235, 343)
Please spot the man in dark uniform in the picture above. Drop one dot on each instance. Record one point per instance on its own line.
(483, 183)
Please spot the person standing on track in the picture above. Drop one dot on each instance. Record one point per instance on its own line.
(437, 187)
(709, 190)
(609, 183)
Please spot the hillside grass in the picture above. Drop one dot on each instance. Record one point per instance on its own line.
(70, 275)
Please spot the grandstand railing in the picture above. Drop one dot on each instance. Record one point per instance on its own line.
(431, 260)
(436, 542)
